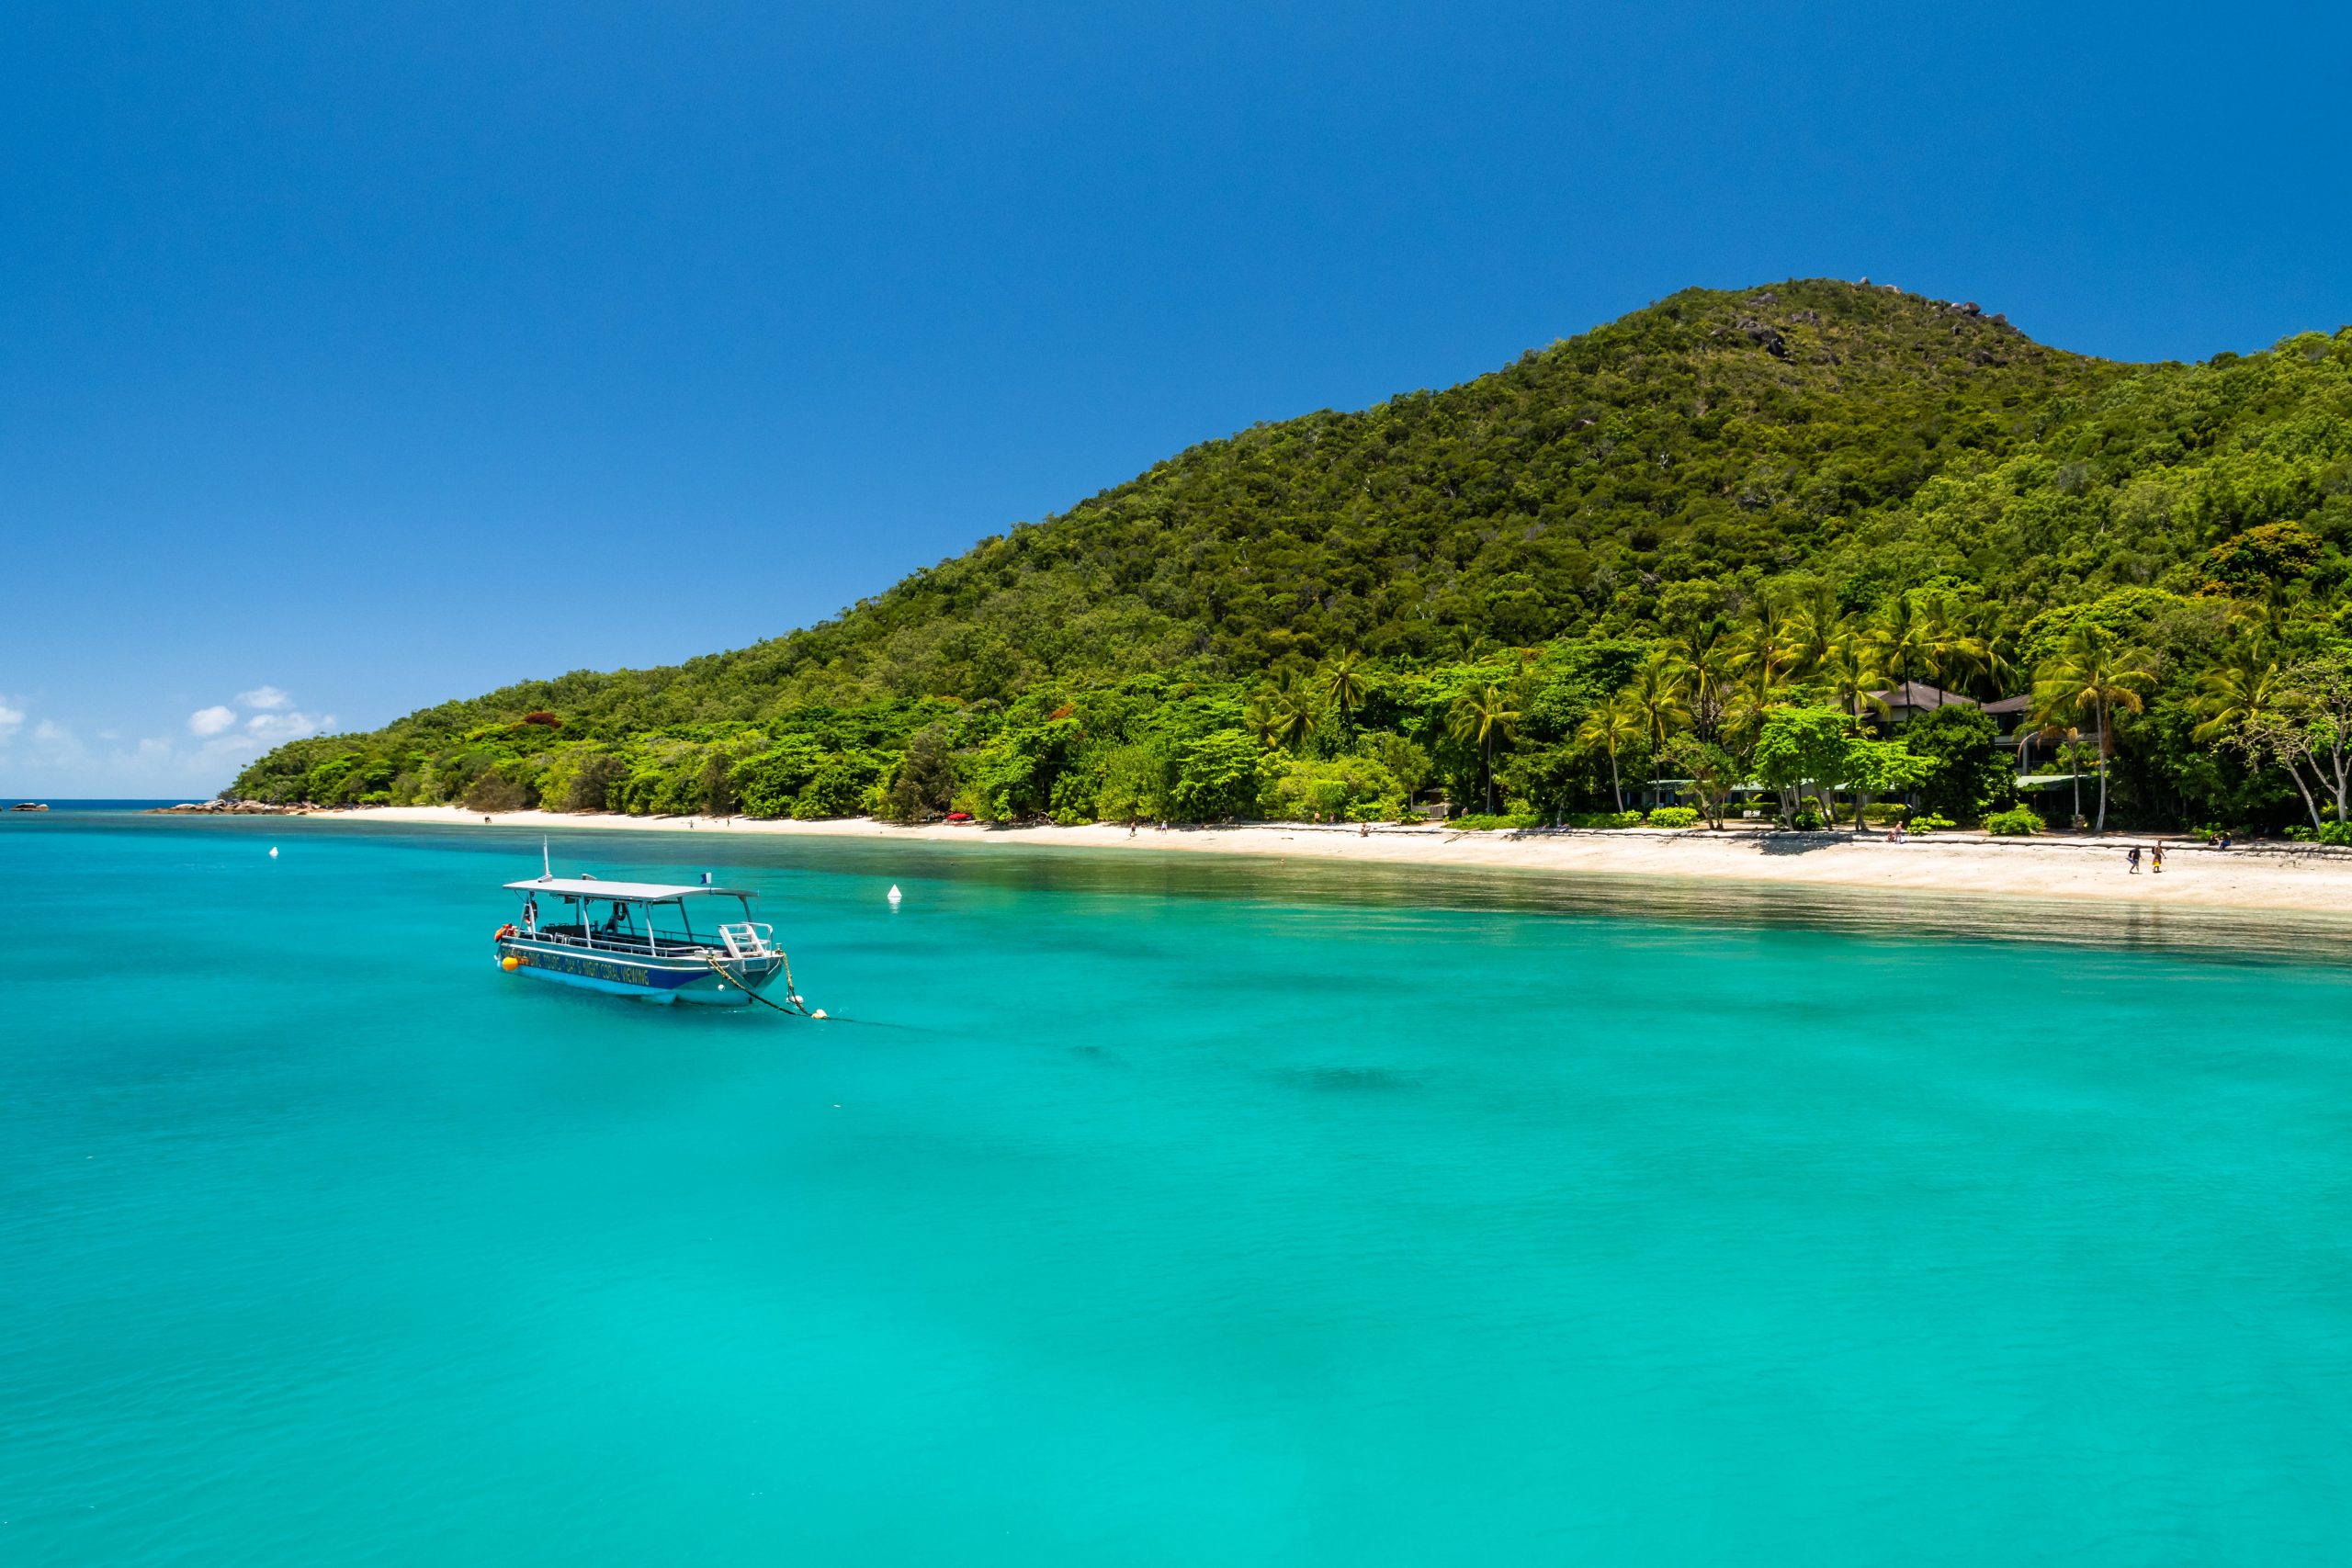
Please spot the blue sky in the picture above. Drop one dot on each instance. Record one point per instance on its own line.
(355, 357)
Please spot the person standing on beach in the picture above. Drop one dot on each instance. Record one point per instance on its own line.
(2131, 859)
(2156, 860)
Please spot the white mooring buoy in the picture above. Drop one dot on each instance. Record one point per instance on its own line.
(895, 894)
(273, 851)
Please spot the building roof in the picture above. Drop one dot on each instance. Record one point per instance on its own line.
(626, 892)
(1919, 695)
(2011, 704)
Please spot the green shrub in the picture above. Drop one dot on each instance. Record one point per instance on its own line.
(1674, 816)
(1480, 822)
(1603, 819)
(1333, 789)
(1808, 819)
(493, 793)
(1886, 812)
(768, 782)
(1218, 775)
(1928, 824)
(2336, 833)
(2015, 823)
(839, 789)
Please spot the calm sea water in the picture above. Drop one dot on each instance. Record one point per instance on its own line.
(1142, 1211)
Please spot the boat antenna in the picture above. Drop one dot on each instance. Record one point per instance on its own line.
(547, 872)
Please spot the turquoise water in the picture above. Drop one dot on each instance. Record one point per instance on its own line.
(1143, 1210)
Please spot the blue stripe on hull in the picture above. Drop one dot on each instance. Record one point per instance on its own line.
(623, 978)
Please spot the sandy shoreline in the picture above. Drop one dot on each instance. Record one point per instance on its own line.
(2276, 878)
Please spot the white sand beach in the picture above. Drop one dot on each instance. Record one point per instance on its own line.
(2272, 876)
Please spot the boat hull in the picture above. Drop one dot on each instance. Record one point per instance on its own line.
(662, 981)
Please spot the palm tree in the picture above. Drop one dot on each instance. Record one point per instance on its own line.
(2244, 688)
(1998, 663)
(2089, 674)
(1293, 711)
(1851, 671)
(1766, 646)
(2050, 723)
(1258, 717)
(1483, 713)
(1901, 636)
(1344, 684)
(1657, 693)
(1706, 658)
(1611, 727)
(1949, 647)
(1469, 644)
(2241, 697)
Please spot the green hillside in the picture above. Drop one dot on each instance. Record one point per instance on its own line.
(1726, 498)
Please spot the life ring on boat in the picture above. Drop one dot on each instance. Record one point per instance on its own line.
(503, 932)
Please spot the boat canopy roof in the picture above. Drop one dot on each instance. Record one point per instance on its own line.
(624, 892)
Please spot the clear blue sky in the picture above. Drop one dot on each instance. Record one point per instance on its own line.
(355, 357)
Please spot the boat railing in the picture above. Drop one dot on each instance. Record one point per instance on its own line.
(657, 946)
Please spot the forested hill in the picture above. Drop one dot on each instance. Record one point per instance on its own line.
(1835, 443)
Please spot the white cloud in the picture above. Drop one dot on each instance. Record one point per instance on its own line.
(49, 756)
(275, 727)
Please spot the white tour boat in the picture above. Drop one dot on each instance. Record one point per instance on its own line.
(643, 939)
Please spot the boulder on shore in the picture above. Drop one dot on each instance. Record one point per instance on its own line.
(227, 808)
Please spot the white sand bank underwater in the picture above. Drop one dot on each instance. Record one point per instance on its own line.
(2282, 877)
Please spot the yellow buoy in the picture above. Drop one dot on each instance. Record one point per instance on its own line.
(510, 964)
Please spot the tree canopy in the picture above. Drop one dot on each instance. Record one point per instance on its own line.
(1721, 505)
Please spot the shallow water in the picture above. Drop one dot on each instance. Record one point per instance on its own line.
(1154, 1209)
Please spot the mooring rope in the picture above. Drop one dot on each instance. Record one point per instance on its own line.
(790, 991)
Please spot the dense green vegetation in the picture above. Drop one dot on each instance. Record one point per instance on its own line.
(1688, 545)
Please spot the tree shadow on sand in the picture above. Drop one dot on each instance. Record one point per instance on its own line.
(1793, 843)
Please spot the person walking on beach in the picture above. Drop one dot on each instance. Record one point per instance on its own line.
(2156, 860)
(2132, 859)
